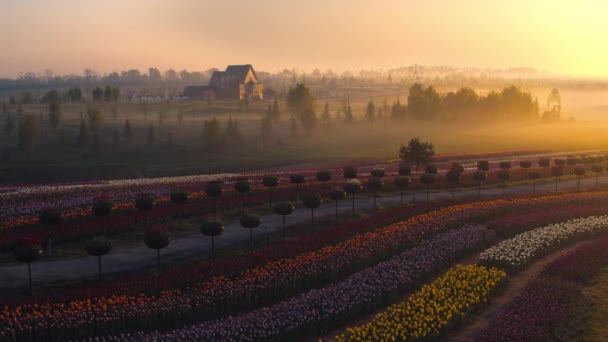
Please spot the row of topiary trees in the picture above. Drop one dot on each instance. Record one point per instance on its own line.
(158, 238)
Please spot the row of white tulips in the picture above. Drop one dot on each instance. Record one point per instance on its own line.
(516, 253)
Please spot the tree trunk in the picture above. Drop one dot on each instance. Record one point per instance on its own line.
(284, 231)
(50, 242)
(213, 248)
(336, 210)
(158, 259)
(251, 238)
(375, 206)
(271, 191)
(242, 202)
(99, 265)
(29, 276)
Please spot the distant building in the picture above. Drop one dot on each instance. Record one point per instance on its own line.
(238, 82)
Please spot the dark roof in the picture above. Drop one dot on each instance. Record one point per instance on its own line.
(239, 72)
(234, 73)
(216, 74)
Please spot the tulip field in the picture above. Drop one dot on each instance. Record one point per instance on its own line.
(412, 271)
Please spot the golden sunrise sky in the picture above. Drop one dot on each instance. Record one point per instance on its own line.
(561, 36)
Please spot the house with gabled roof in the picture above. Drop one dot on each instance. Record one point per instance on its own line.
(238, 82)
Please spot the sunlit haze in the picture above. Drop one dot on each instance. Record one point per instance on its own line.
(66, 36)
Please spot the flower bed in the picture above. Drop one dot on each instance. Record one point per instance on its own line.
(321, 308)
(254, 287)
(547, 301)
(513, 223)
(436, 308)
(518, 252)
(180, 277)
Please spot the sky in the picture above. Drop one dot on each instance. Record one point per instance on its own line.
(560, 36)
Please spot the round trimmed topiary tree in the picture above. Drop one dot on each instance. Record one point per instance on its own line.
(504, 175)
(579, 171)
(212, 227)
(597, 169)
(428, 179)
(480, 176)
(352, 187)
(324, 176)
(402, 182)
(157, 237)
(145, 202)
(432, 169)
(379, 173)
(179, 197)
(404, 170)
(28, 250)
(312, 201)
(337, 195)
(544, 162)
(297, 180)
(242, 186)
(453, 177)
(375, 184)
(214, 190)
(283, 209)
(483, 165)
(350, 172)
(98, 247)
(251, 221)
(557, 172)
(534, 175)
(50, 218)
(270, 182)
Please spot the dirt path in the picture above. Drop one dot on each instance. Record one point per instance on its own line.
(514, 287)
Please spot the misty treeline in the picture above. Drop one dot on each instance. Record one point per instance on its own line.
(154, 82)
(426, 103)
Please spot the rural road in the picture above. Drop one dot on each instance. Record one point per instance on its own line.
(135, 258)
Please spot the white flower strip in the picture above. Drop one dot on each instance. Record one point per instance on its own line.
(518, 252)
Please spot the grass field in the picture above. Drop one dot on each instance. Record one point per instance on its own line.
(339, 143)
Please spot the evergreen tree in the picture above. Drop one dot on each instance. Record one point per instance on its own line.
(114, 112)
(266, 129)
(212, 135)
(151, 136)
(294, 127)
(116, 137)
(180, 116)
(9, 126)
(83, 134)
(370, 113)
(28, 132)
(55, 114)
(127, 132)
(276, 113)
(326, 115)
(170, 139)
